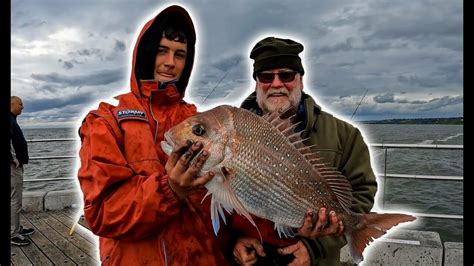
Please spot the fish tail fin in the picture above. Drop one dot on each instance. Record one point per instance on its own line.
(370, 227)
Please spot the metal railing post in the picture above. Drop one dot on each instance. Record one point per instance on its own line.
(384, 177)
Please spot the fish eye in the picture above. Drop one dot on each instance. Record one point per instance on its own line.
(199, 130)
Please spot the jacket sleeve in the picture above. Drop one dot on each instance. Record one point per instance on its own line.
(117, 202)
(355, 165)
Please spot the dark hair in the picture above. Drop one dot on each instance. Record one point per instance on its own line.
(175, 34)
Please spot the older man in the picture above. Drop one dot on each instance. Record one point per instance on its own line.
(18, 157)
(278, 73)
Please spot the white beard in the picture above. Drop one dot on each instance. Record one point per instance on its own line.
(267, 105)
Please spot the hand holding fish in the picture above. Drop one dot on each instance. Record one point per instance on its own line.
(321, 227)
(300, 252)
(182, 169)
(246, 250)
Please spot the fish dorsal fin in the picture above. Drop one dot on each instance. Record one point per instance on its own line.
(336, 181)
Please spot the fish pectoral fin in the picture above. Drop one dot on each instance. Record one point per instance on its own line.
(228, 172)
(224, 197)
(285, 230)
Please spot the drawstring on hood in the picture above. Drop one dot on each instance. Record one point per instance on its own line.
(146, 48)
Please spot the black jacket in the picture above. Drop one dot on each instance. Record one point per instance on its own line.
(18, 140)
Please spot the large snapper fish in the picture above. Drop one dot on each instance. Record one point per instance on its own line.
(263, 168)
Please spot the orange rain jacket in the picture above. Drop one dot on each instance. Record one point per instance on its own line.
(127, 200)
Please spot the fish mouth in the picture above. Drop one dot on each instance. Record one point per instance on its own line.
(167, 145)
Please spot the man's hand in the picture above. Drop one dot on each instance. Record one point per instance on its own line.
(320, 229)
(299, 251)
(16, 162)
(182, 175)
(245, 250)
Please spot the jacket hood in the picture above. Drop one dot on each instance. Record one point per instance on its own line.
(146, 48)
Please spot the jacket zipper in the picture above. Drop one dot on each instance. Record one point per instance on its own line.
(154, 119)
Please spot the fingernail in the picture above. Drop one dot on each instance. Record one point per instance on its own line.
(310, 213)
(332, 213)
(204, 153)
(211, 173)
(189, 142)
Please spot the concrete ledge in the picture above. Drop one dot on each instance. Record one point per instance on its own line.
(453, 253)
(51, 200)
(60, 199)
(401, 247)
(33, 201)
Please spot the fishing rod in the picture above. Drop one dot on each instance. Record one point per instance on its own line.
(225, 74)
(359, 103)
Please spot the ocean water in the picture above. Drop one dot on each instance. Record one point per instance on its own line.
(420, 196)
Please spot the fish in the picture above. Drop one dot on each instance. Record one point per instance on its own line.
(262, 167)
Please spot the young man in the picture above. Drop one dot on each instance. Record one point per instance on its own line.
(146, 207)
(278, 73)
(18, 157)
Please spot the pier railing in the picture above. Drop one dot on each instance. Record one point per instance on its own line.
(383, 175)
(386, 175)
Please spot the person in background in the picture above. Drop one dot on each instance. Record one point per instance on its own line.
(18, 158)
(278, 73)
(145, 207)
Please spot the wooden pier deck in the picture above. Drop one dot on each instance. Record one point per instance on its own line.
(52, 244)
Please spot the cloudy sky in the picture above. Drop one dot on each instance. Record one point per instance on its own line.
(405, 56)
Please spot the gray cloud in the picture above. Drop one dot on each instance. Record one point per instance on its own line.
(344, 46)
(119, 46)
(68, 65)
(442, 102)
(101, 78)
(32, 24)
(424, 105)
(396, 49)
(227, 63)
(385, 98)
(92, 52)
(429, 82)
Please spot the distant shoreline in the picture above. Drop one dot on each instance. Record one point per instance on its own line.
(417, 121)
(406, 121)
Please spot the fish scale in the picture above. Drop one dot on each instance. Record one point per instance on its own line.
(263, 168)
(277, 146)
(288, 214)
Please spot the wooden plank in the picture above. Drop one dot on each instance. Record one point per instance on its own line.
(82, 227)
(81, 224)
(56, 241)
(77, 215)
(45, 244)
(85, 233)
(32, 251)
(18, 257)
(58, 218)
(63, 241)
(74, 213)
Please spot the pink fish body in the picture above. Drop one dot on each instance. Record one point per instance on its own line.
(263, 168)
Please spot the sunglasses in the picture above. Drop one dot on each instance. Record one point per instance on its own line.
(266, 77)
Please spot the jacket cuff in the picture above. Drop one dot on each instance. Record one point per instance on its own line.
(166, 189)
(313, 250)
